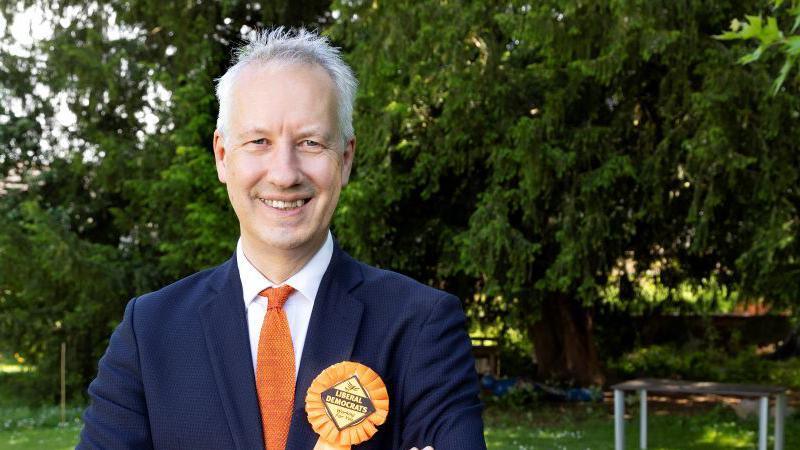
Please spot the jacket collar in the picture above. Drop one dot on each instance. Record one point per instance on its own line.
(224, 322)
(332, 331)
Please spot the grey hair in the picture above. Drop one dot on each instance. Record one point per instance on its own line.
(292, 46)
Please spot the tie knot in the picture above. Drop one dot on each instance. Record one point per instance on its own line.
(276, 297)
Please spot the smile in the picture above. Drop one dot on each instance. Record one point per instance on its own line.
(284, 205)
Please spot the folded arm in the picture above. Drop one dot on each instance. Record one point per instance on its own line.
(440, 386)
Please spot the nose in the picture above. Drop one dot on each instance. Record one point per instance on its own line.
(283, 166)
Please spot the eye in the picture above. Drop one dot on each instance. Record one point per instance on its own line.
(262, 141)
(310, 143)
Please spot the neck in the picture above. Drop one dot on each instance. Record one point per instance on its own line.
(278, 265)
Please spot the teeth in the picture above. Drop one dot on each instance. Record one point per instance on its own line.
(279, 204)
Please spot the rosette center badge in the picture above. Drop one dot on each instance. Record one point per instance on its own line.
(347, 403)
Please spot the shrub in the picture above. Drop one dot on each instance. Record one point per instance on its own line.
(711, 364)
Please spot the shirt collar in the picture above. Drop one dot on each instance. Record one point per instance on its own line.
(306, 281)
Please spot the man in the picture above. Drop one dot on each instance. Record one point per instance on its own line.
(223, 359)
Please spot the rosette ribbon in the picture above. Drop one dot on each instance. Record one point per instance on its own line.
(345, 404)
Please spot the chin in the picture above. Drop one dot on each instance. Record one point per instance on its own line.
(282, 241)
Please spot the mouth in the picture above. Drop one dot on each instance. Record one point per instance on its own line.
(285, 205)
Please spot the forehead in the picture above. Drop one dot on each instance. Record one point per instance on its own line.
(285, 94)
(277, 70)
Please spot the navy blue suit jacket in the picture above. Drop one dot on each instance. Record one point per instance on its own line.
(178, 373)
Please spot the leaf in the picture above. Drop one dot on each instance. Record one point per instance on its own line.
(792, 46)
(750, 57)
(787, 67)
(728, 36)
(796, 13)
(752, 28)
(771, 33)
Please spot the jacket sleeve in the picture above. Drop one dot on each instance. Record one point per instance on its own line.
(440, 401)
(117, 415)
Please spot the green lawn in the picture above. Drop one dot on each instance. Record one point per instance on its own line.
(547, 427)
(51, 438)
(22, 427)
(553, 427)
(541, 426)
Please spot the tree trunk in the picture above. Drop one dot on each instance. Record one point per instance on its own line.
(564, 345)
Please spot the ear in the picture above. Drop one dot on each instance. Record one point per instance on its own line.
(347, 160)
(219, 155)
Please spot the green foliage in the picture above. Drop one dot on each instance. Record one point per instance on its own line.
(519, 397)
(770, 35)
(785, 373)
(125, 199)
(527, 150)
(46, 296)
(707, 364)
(520, 151)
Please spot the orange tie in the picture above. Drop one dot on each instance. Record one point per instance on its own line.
(275, 370)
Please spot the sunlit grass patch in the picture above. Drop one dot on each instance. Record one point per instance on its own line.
(25, 427)
(547, 426)
(54, 438)
(524, 438)
(727, 435)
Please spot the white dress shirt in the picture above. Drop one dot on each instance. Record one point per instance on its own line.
(297, 308)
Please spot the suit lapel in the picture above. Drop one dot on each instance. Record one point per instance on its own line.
(225, 327)
(331, 334)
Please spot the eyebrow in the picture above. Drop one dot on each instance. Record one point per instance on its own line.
(314, 130)
(251, 131)
(311, 130)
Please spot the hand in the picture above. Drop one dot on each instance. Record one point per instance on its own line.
(426, 448)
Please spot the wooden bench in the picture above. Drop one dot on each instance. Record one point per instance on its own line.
(673, 387)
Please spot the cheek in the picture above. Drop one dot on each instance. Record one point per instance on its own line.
(329, 183)
(242, 172)
(325, 171)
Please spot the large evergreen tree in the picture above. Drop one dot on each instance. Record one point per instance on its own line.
(522, 155)
(535, 151)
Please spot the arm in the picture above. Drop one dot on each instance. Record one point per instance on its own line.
(117, 416)
(440, 387)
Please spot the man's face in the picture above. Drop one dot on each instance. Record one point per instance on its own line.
(282, 158)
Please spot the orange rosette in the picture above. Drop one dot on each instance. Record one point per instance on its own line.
(345, 405)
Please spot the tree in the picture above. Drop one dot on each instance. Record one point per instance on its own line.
(525, 156)
(529, 152)
(125, 199)
(788, 43)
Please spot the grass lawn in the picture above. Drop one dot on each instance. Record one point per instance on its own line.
(549, 427)
(22, 427)
(581, 428)
(542, 426)
(51, 438)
